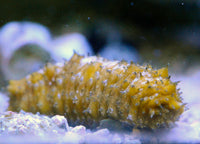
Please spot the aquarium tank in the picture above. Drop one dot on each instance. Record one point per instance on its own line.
(100, 71)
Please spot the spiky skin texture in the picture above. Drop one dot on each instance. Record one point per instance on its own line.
(92, 88)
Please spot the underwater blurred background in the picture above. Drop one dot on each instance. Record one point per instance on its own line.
(158, 32)
(148, 31)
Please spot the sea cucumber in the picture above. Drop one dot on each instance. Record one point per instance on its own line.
(89, 89)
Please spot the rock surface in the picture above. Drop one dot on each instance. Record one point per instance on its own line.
(33, 128)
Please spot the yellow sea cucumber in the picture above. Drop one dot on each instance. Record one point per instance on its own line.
(89, 89)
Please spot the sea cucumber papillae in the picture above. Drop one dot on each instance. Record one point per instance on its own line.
(92, 88)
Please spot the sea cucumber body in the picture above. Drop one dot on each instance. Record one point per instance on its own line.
(92, 88)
